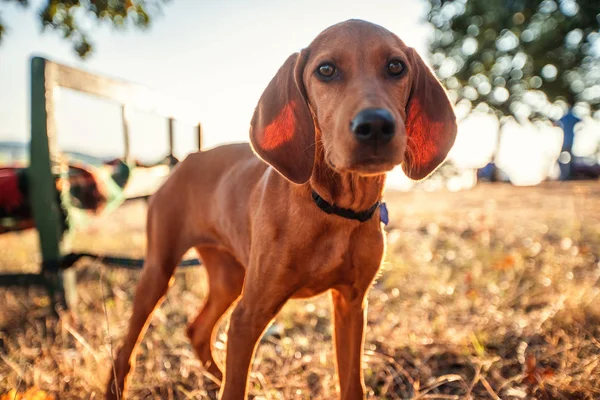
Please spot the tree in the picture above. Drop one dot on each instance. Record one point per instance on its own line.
(69, 17)
(522, 58)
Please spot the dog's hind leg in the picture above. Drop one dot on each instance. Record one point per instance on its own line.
(225, 278)
(165, 249)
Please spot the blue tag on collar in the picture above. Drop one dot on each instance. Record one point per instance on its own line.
(383, 213)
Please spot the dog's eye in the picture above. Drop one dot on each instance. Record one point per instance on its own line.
(326, 71)
(396, 67)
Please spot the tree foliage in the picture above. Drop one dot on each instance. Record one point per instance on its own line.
(70, 17)
(523, 58)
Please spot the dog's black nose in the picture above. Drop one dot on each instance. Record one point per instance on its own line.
(374, 125)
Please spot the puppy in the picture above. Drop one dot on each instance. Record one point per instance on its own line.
(297, 213)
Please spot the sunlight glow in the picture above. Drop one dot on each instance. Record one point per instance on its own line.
(529, 151)
(475, 141)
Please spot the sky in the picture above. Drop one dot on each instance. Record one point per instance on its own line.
(215, 58)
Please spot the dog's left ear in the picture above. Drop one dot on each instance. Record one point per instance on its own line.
(430, 121)
(282, 131)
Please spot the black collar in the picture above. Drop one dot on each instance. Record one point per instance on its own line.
(344, 212)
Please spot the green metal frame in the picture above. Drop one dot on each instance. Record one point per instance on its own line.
(49, 209)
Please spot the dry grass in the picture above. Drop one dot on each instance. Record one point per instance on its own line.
(490, 293)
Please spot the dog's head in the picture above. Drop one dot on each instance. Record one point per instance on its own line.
(370, 100)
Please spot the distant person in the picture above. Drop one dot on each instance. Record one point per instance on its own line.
(565, 160)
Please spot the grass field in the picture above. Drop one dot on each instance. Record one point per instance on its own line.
(484, 294)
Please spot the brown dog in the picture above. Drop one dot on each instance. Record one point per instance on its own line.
(303, 218)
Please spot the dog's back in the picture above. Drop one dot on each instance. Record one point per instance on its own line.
(219, 182)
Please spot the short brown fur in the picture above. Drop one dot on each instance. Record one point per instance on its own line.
(253, 222)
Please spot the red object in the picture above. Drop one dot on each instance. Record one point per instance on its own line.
(10, 195)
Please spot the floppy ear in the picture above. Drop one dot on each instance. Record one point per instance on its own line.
(430, 121)
(282, 131)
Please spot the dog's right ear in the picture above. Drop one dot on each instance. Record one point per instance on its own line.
(282, 131)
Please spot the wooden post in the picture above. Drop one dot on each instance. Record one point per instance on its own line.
(199, 136)
(46, 203)
(126, 138)
(171, 122)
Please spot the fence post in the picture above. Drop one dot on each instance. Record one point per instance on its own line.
(126, 139)
(46, 201)
(199, 136)
(171, 133)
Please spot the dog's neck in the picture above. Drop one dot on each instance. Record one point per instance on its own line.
(345, 190)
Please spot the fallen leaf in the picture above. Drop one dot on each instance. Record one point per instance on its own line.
(535, 375)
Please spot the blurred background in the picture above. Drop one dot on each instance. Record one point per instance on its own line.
(491, 282)
(524, 75)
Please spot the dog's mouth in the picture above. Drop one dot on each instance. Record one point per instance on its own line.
(372, 166)
(366, 166)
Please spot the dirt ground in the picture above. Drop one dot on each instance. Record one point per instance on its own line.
(490, 293)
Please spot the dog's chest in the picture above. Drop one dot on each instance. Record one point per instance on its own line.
(338, 258)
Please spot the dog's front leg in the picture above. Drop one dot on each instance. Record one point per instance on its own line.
(350, 309)
(265, 292)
